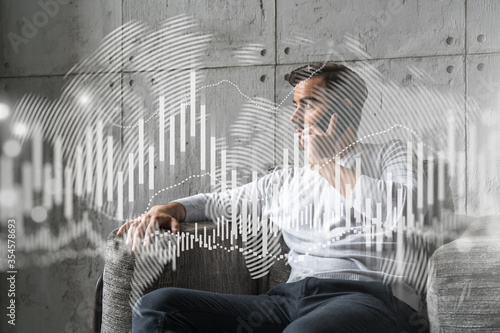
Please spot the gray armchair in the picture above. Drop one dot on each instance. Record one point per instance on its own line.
(463, 283)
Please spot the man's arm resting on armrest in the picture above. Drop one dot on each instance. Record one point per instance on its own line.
(165, 216)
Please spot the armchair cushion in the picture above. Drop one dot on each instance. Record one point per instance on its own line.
(463, 288)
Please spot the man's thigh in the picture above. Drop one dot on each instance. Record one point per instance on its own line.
(356, 312)
(184, 310)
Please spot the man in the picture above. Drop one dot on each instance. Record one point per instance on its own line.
(337, 222)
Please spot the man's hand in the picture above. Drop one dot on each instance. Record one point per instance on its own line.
(165, 216)
(323, 147)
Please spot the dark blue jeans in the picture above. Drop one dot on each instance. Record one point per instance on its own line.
(310, 305)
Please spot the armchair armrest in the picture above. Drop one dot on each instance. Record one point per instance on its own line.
(127, 276)
(463, 288)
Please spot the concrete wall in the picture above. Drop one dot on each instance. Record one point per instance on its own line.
(431, 66)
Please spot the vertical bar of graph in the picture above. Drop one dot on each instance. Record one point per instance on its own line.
(222, 226)
(286, 181)
(234, 230)
(99, 168)
(451, 143)
(223, 170)
(177, 245)
(400, 251)
(255, 207)
(110, 168)
(389, 185)
(286, 174)
(357, 203)
(183, 128)
(151, 164)
(27, 188)
(368, 215)
(79, 171)
(234, 180)
(172, 139)
(172, 255)
(141, 151)
(193, 103)
(399, 210)
(420, 177)
(203, 143)
(161, 129)
(244, 220)
(409, 181)
(68, 193)
(58, 172)
(337, 183)
(37, 152)
(378, 229)
(131, 177)
(430, 184)
(47, 188)
(89, 159)
(285, 157)
(348, 203)
(212, 160)
(119, 199)
(472, 163)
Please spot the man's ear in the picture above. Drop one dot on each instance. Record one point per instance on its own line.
(348, 101)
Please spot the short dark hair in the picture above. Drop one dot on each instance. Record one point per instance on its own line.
(340, 80)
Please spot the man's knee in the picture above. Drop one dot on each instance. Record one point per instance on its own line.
(160, 299)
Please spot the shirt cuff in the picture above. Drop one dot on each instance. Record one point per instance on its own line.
(195, 207)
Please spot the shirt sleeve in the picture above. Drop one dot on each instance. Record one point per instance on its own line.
(195, 207)
(230, 204)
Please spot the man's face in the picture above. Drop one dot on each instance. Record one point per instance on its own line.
(311, 103)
